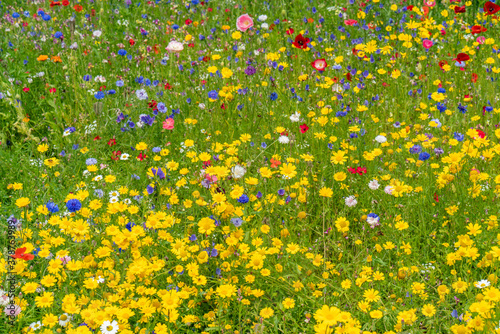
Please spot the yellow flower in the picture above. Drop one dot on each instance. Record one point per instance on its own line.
(326, 192)
(42, 148)
(340, 176)
(428, 310)
(236, 35)
(266, 312)
(51, 162)
(226, 73)
(141, 146)
(288, 303)
(22, 202)
(226, 290)
(376, 314)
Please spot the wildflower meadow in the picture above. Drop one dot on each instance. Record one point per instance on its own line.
(249, 166)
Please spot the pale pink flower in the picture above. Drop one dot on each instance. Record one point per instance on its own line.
(168, 124)
(12, 310)
(175, 47)
(65, 259)
(244, 22)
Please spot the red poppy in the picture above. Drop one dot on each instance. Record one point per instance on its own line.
(26, 89)
(191, 45)
(319, 64)
(290, 31)
(188, 22)
(409, 8)
(436, 197)
(55, 3)
(132, 42)
(348, 76)
(350, 22)
(168, 86)
(459, 9)
(206, 59)
(97, 138)
(474, 77)
(141, 156)
(21, 255)
(223, 106)
(78, 8)
(351, 170)
(480, 133)
(442, 63)
(490, 8)
(301, 42)
(112, 142)
(65, 3)
(477, 29)
(361, 170)
(304, 128)
(52, 90)
(462, 57)
(275, 163)
(92, 12)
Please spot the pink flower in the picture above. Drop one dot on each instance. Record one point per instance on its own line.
(65, 259)
(350, 22)
(168, 124)
(481, 39)
(244, 22)
(175, 47)
(12, 310)
(427, 44)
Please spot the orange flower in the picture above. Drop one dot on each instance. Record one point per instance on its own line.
(56, 59)
(42, 58)
(310, 20)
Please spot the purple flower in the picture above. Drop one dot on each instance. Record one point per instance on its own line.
(250, 70)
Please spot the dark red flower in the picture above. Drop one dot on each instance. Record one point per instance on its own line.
(21, 255)
(141, 156)
(168, 86)
(442, 63)
(55, 3)
(436, 197)
(301, 42)
(97, 138)
(319, 64)
(477, 29)
(351, 170)
(131, 42)
(490, 8)
(462, 57)
(223, 106)
(290, 31)
(153, 105)
(348, 76)
(65, 3)
(459, 9)
(112, 142)
(304, 128)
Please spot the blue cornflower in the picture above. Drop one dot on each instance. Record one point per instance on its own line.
(415, 149)
(424, 156)
(243, 199)
(273, 96)
(73, 205)
(52, 207)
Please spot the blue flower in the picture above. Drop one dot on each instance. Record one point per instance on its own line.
(90, 161)
(424, 156)
(99, 95)
(273, 96)
(73, 205)
(415, 149)
(243, 199)
(213, 94)
(52, 207)
(237, 221)
(122, 52)
(458, 136)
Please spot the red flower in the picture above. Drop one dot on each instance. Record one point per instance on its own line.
(153, 105)
(223, 106)
(361, 170)
(188, 22)
(477, 29)
(409, 8)
(206, 59)
(65, 3)
(348, 76)
(116, 155)
(442, 63)
(97, 138)
(301, 42)
(191, 45)
(275, 163)
(474, 77)
(436, 197)
(21, 255)
(319, 64)
(52, 90)
(304, 128)
(141, 157)
(350, 22)
(462, 57)
(481, 134)
(26, 89)
(55, 3)
(459, 9)
(131, 42)
(92, 12)
(290, 31)
(351, 170)
(112, 142)
(490, 8)
(78, 8)
(168, 86)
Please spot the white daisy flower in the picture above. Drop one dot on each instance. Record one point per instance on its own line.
(109, 327)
